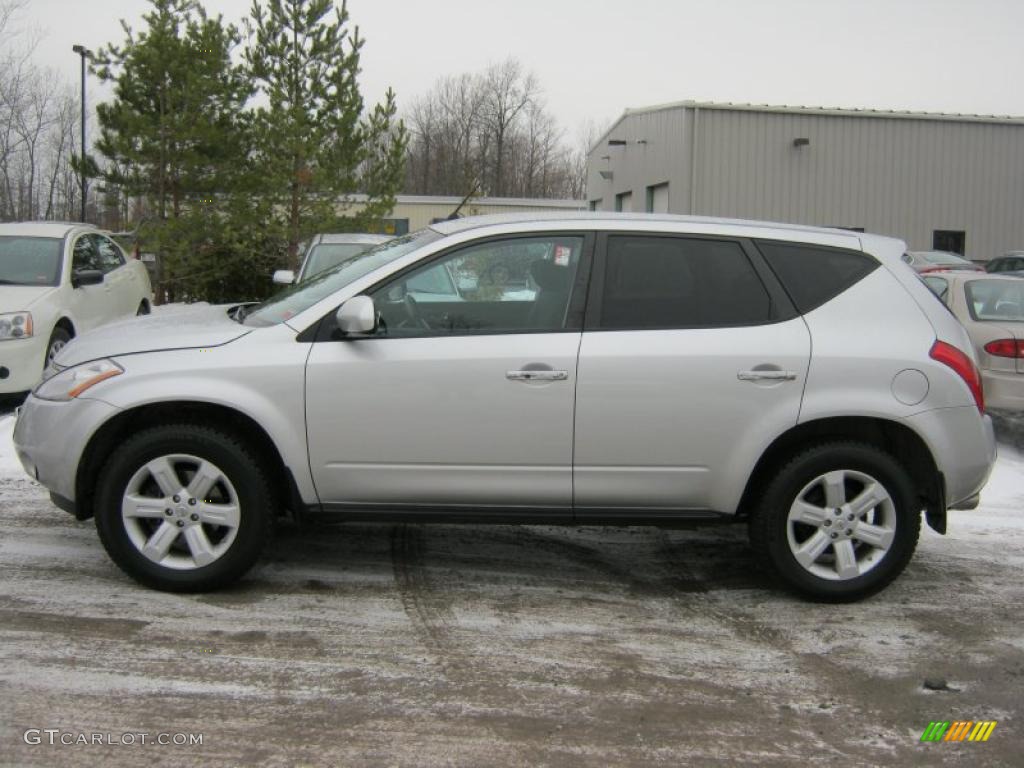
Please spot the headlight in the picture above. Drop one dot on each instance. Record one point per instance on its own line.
(15, 325)
(72, 382)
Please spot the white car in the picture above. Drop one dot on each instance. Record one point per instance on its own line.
(58, 280)
(326, 251)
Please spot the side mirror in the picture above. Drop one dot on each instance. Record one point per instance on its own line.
(284, 277)
(82, 277)
(357, 316)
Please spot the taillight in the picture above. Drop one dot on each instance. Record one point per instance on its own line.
(963, 366)
(1005, 348)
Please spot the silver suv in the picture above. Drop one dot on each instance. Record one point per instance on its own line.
(648, 369)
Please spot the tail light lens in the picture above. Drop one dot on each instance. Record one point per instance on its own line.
(962, 365)
(1005, 348)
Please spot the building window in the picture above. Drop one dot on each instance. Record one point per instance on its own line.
(624, 202)
(595, 205)
(657, 198)
(951, 240)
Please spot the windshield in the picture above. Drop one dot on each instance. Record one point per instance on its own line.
(304, 295)
(30, 260)
(327, 255)
(996, 299)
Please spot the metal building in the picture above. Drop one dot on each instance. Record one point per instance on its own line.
(949, 182)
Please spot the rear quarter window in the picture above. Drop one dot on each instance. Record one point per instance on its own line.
(814, 274)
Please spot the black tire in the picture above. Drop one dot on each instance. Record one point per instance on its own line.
(240, 468)
(770, 527)
(58, 339)
(143, 308)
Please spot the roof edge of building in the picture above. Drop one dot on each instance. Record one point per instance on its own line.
(787, 109)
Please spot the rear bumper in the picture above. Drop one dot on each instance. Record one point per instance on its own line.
(1003, 390)
(963, 445)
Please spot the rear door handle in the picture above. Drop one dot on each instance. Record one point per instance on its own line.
(537, 375)
(766, 376)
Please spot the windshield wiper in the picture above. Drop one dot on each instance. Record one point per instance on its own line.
(10, 282)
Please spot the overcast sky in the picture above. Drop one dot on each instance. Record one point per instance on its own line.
(594, 58)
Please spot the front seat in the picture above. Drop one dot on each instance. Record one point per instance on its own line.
(549, 307)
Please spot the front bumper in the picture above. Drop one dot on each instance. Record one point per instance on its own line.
(50, 437)
(21, 364)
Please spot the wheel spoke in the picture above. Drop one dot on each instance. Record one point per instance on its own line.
(868, 499)
(205, 478)
(874, 535)
(802, 512)
(811, 549)
(219, 514)
(142, 506)
(199, 545)
(835, 490)
(158, 544)
(165, 475)
(846, 559)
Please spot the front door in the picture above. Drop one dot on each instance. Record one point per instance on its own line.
(464, 396)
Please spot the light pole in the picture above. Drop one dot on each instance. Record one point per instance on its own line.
(84, 52)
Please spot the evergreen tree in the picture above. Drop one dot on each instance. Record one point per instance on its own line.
(313, 144)
(175, 136)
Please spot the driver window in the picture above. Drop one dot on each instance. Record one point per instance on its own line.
(110, 256)
(520, 285)
(86, 255)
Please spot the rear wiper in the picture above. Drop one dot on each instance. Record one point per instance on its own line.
(9, 282)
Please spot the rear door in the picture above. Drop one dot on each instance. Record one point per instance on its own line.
(692, 360)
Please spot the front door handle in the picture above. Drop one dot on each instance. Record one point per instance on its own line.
(767, 375)
(537, 375)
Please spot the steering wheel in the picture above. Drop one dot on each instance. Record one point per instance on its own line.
(412, 309)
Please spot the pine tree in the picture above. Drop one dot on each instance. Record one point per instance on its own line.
(314, 146)
(175, 135)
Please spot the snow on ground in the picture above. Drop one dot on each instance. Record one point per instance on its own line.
(510, 645)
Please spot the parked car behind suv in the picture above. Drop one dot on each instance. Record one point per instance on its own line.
(938, 261)
(666, 369)
(56, 281)
(991, 308)
(326, 251)
(1011, 262)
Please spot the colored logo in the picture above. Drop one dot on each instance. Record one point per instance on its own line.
(959, 730)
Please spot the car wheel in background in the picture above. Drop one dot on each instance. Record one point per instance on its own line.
(838, 522)
(183, 508)
(58, 340)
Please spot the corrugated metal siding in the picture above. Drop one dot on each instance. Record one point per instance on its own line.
(903, 177)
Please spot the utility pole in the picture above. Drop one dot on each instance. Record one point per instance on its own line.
(84, 53)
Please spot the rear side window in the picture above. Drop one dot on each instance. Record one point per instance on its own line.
(814, 274)
(676, 282)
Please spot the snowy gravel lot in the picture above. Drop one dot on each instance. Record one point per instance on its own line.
(503, 645)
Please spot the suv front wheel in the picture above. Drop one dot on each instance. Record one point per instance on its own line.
(183, 508)
(838, 522)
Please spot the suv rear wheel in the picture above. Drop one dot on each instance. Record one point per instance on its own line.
(838, 522)
(183, 508)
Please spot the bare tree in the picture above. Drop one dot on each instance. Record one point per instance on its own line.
(490, 132)
(37, 124)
